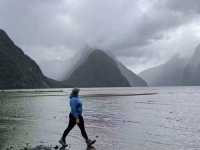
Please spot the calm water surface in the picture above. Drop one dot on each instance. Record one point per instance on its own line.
(168, 120)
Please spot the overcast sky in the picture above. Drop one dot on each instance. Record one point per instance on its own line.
(140, 33)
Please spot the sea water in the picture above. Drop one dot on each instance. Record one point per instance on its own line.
(165, 118)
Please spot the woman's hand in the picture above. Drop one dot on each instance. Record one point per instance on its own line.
(77, 121)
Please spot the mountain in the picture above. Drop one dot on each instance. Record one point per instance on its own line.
(17, 70)
(168, 74)
(191, 75)
(98, 69)
(133, 79)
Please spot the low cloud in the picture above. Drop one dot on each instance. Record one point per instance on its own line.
(140, 33)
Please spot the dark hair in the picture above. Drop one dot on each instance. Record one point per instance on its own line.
(74, 92)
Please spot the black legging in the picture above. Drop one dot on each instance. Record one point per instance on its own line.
(72, 123)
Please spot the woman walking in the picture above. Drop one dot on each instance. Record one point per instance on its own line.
(76, 118)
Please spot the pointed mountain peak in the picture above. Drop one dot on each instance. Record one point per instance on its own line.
(2, 31)
(4, 38)
(97, 53)
(99, 69)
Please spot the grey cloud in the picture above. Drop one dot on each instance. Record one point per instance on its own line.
(141, 29)
(36, 23)
(153, 25)
(184, 6)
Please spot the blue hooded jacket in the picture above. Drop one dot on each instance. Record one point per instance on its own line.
(76, 106)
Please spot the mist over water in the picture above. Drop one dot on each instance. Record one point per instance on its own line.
(167, 120)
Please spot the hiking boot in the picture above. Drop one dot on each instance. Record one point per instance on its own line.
(62, 142)
(89, 142)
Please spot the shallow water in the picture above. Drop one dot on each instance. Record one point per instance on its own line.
(167, 118)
